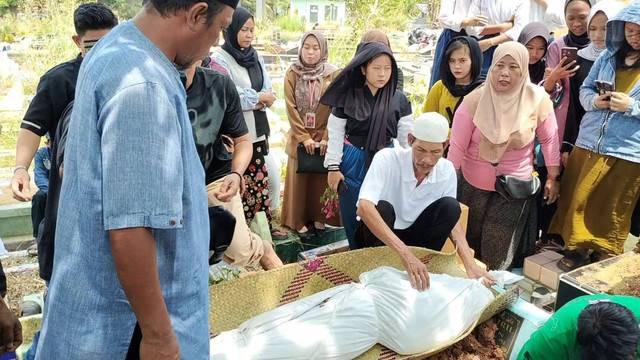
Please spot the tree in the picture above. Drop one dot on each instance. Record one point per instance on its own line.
(385, 14)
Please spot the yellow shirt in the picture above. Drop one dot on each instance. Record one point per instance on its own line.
(627, 79)
(440, 100)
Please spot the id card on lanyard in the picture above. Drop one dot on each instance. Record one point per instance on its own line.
(310, 117)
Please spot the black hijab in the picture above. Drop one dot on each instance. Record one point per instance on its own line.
(347, 91)
(571, 39)
(530, 32)
(248, 59)
(477, 79)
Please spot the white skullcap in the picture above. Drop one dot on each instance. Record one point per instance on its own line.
(431, 127)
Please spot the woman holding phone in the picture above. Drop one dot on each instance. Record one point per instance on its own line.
(602, 177)
(597, 30)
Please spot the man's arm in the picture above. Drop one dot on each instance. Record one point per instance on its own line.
(242, 154)
(134, 255)
(26, 149)
(415, 268)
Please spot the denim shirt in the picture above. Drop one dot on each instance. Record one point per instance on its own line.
(130, 162)
(609, 132)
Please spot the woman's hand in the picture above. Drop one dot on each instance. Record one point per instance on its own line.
(563, 71)
(310, 146)
(565, 159)
(334, 178)
(603, 101)
(267, 98)
(478, 20)
(551, 191)
(620, 102)
(323, 147)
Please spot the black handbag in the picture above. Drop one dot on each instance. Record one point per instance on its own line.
(310, 163)
(513, 188)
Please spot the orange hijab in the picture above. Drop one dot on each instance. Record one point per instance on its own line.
(508, 120)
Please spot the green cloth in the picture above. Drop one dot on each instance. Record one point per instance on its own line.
(557, 338)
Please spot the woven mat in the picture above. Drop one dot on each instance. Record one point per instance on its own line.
(234, 302)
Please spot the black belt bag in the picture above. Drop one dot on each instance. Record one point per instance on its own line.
(513, 188)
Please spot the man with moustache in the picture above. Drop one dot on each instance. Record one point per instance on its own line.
(408, 198)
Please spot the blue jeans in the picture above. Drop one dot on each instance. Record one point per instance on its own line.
(354, 169)
(31, 353)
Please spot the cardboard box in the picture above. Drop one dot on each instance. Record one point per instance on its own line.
(549, 275)
(533, 264)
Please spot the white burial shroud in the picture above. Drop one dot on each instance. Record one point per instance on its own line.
(345, 321)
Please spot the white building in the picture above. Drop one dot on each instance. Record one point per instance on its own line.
(320, 11)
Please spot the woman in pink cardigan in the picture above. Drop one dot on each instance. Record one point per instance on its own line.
(493, 135)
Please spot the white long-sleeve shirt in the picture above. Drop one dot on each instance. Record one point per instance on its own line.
(453, 12)
(552, 16)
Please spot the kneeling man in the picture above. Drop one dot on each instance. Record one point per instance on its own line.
(408, 198)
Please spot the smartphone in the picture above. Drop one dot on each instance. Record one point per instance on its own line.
(604, 87)
(571, 53)
(342, 187)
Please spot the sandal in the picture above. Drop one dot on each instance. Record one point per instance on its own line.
(32, 250)
(573, 260)
(277, 234)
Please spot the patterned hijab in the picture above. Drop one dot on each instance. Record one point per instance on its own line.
(309, 84)
(508, 120)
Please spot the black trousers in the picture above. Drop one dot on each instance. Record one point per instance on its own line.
(430, 230)
(635, 221)
(38, 204)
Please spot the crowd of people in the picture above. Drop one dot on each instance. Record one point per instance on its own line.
(160, 157)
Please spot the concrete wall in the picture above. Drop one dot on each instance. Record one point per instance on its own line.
(303, 8)
(15, 220)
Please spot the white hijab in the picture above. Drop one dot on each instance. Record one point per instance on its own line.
(609, 8)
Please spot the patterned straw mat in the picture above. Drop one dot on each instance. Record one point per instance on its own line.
(234, 302)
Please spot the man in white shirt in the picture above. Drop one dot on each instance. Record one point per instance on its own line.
(408, 198)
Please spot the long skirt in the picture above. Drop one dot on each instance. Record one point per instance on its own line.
(302, 193)
(353, 169)
(498, 228)
(598, 196)
(256, 193)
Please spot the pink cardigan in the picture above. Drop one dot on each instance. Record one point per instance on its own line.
(465, 145)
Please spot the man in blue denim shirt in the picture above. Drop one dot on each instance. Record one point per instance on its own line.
(132, 220)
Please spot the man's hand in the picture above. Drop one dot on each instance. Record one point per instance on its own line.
(334, 178)
(310, 146)
(229, 188)
(620, 102)
(417, 271)
(11, 335)
(474, 271)
(21, 186)
(161, 348)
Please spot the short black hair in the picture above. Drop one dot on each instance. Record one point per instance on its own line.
(169, 7)
(608, 331)
(93, 16)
